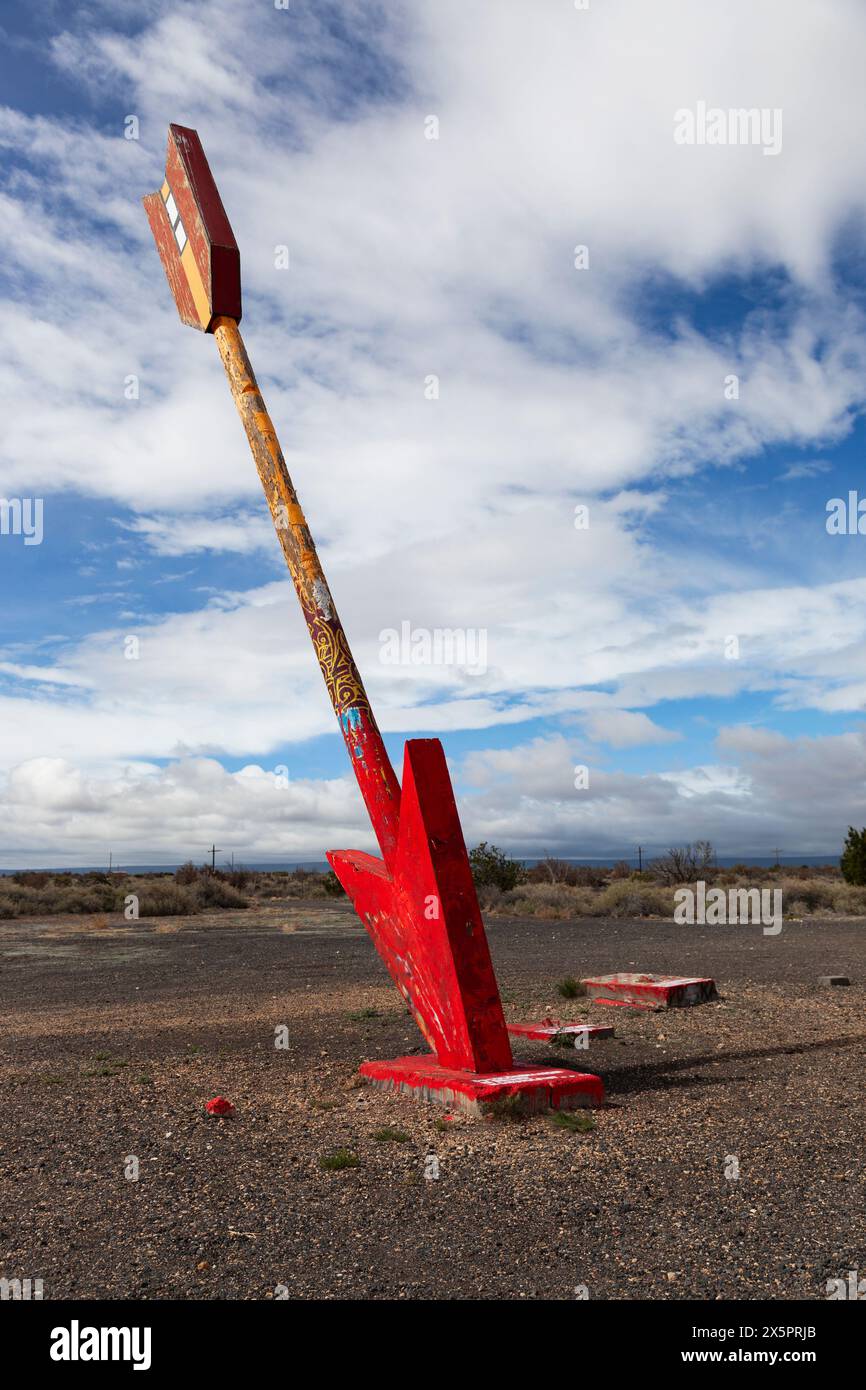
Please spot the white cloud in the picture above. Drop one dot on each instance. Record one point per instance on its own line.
(452, 257)
(167, 814)
(189, 535)
(626, 728)
(810, 468)
(798, 794)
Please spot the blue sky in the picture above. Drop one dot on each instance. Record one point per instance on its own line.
(699, 646)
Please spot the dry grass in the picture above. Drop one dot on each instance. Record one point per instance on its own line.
(806, 892)
(638, 896)
(46, 895)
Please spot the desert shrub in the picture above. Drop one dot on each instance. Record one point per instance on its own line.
(550, 870)
(186, 874)
(547, 900)
(159, 899)
(239, 878)
(585, 876)
(489, 897)
(65, 893)
(68, 893)
(686, 863)
(795, 907)
(545, 871)
(275, 885)
(570, 988)
(626, 898)
(98, 897)
(621, 869)
(747, 873)
(332, 885)
(491, 866)
(556, 901)
(810, 895)
(853, 861)
(31, 878)
(850, 899)
(212, 890)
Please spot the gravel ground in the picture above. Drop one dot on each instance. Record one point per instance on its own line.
(114, 1035)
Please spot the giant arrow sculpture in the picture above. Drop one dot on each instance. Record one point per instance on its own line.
(418, 900)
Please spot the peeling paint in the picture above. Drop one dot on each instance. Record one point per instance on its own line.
(322, 595)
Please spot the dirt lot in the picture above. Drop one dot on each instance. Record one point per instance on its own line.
(114, 1035)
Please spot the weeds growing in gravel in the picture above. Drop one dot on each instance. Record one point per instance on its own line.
(342, 1158)
(570, 988)
(387, 1135)
(509, 1108)
(108, 1067)
(578, 1121)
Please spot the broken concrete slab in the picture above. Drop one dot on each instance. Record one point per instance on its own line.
(548, 1029)
(650, 991)
(833, 980)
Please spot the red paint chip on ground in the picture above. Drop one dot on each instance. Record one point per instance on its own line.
(219, 1106)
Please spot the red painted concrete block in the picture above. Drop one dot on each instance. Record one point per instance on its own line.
(539, 1088)
(549, 1028)
(651, 991)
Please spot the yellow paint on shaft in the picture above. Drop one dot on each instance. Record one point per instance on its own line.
(342, 679)
(288, 517)
(199, 294)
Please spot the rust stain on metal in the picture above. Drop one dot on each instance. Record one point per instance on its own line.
(376, 777)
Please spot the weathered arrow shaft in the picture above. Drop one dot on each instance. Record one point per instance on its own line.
(376, 778)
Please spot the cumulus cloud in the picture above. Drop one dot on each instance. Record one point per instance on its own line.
(769, 792)
(449, 258)
(168, 814)
(627, 728)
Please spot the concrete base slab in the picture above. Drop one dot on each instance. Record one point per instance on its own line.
(549, 1028)
(531, 1088)
(833, 980)
(627, 1004)
(651, 991)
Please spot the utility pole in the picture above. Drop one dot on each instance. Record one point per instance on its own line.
(640, 859)
(213, 855)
